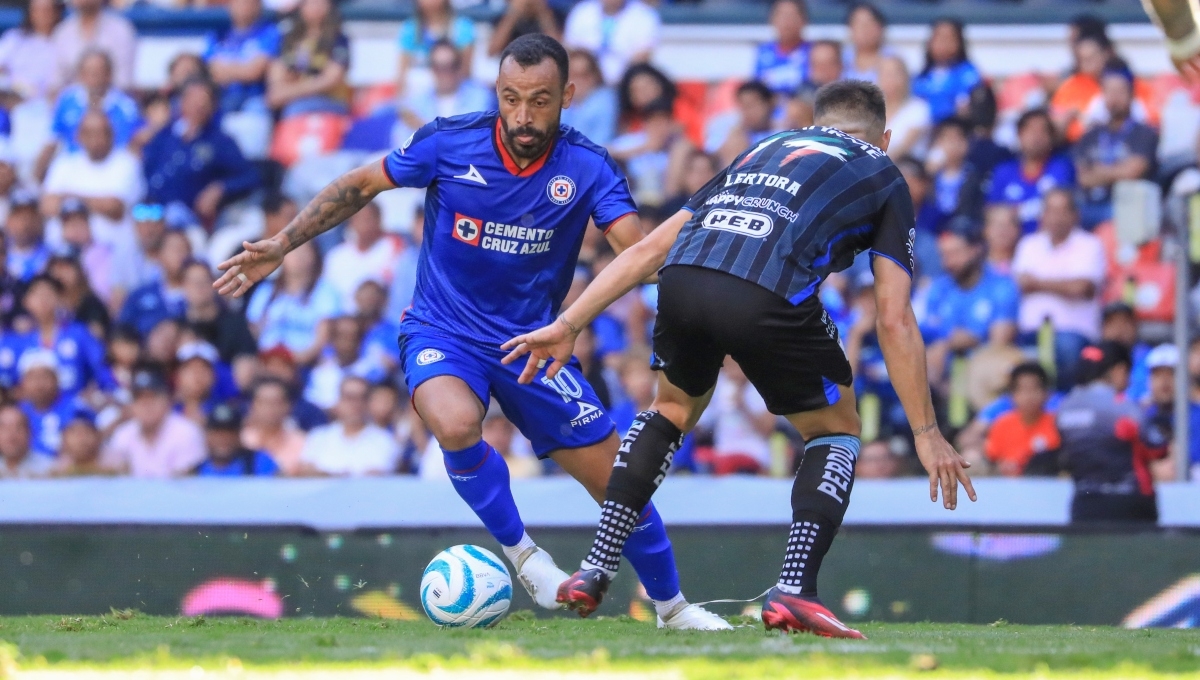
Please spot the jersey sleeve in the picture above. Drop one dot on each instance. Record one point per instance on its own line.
(697, 200)
(613, 200)
(414, 164)
(897, 229)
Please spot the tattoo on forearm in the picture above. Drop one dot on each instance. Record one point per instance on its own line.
(923, 429)
(334, 205)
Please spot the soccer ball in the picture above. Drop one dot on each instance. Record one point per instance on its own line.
(466, 587)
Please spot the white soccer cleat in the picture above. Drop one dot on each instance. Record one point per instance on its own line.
(541, 578)
(694, 617)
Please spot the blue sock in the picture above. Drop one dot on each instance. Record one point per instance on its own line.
(480, 476)
(649, 551)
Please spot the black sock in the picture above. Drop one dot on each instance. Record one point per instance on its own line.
(642, 463)
(820, 496)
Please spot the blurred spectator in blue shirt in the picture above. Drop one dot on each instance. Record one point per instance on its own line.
(433, 21)
(404, 275)
(1118, 323)
(593, 111)
(344, 357)
(239, 58)
(783, 62)
(27, 251)
(985, 154)
(380, 344)
(956, 185)
(94, 90)
(747, 125)
(292, 310)
(194, 163)
(226, 455)
(161, 298)
(44, 405)
(925, 251)
(1023, 181)
(1121, 149)
(948, 76)
(81, 360)
(970, 304)
(451, 93)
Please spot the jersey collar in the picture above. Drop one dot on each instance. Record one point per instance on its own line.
(510, 164)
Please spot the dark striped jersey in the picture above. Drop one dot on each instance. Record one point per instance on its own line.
(797, 207)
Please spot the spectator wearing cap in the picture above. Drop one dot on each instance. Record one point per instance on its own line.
(618, 32)
(106, 178)
(193, 163)
(239, 57)
(162, 297)
(17, 457)
(747, 126)
(196, 380)
(1028, 431)
(366, 254)
(23, 235)
(293, 310)
(227, 457)
(1121, 149)
(342, 358)
(93, 90)
(156, 442)
(78, 299)
(45, 408)
(210, 319)
(1059, 270)
(80, 356)
(1162, 362)
(351, 446)
(1024, 181)
(92, 27)
(278, 363)
(80, 452)
(270, 427)
(968, 306)
(1118, 322)
(1105, 446)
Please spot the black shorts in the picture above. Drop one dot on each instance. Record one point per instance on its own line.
(790, 353)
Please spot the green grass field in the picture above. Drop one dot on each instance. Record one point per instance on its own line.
(47, 647)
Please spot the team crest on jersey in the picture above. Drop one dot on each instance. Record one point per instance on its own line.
(561, 190)
(429, 356)
(811, 145)
(467, 229)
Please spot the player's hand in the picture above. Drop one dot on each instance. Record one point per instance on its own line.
(554, 344)
(945, 467)
(253, 264)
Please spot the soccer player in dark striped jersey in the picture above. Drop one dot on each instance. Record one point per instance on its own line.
(739, 271)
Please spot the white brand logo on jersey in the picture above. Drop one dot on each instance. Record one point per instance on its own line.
(587, 414)
(429, 356)
(472, 175)
(561, 190)
(756, 225)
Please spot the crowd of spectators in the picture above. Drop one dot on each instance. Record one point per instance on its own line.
(116, 357)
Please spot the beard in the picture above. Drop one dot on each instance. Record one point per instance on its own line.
(527, 151)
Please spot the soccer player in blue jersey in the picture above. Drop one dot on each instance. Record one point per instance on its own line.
(510, 194)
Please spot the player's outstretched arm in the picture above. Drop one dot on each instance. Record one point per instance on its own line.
(1178, 20)
(557, 341)
(904, 356)
(335, 203)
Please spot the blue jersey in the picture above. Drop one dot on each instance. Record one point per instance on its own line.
(1010, 185)
(45, 427)
(500, 242)
(122, 112)
(992, 299)
(80, 359)
(945, 87)
(242, 47)
(782, 71)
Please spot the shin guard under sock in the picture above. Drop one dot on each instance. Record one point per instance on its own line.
(641, 465)
(480, 476)
(820, 496)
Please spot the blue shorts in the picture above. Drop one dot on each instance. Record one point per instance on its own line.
(553, 414)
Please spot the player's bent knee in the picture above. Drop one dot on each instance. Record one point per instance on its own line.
(455, 432)
(680, 414)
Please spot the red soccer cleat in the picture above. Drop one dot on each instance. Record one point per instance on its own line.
(803, 614)
(583, 591)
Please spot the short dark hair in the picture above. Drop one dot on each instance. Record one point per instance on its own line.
(534, 48)
(952, 123)
(46, 279)
(1032, 115)
(831, 44)
(857, 97)
(214, 93)
(1089, 25)
(799, 4)
(757, 88)
(869, 9)
(1032, 368)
